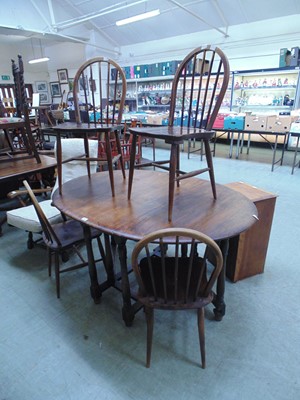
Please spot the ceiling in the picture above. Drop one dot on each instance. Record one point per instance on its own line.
(53, 21)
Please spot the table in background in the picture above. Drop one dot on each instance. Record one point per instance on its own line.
(90, 202)
(14, 169)
(295, 162)
(240, 142)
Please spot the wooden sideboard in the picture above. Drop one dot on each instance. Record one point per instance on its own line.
(247, 251)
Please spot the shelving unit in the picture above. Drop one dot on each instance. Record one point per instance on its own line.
(270, 90)
(153, 94)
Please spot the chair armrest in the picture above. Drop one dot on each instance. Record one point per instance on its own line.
(21, 192)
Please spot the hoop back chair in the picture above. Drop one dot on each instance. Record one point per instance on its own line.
(61, 237)
(176, 282)
(25, 146)
(198, 90)
(101, 83)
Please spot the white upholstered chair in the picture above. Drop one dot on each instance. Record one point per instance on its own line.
(26, 217)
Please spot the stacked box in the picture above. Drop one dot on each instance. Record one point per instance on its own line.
(127, 72)
(295, 127)
(283, 60)
(219, 121)
(281, 123)
(154, 69)
(113, 73)
(137, 71)
(157, 119)
(144, 71)
(132, 72)
(255, 123)
(234, 122)
(295, 57)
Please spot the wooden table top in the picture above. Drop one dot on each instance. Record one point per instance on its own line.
(83, 127)
(172, 133)
(90, 201)
(12, 169)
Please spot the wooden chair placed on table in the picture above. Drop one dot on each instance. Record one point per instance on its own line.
(19, 127)
(198, 89)
(100, 84)
(61, 237)
(176, 282)
(25, 218)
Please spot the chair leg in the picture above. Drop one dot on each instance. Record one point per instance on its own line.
(200, 313)
(30, 242)
(149, 319)
(57, 277)
(49, 255)
(211, 167)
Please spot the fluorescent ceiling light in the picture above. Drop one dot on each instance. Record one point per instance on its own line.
(38, 60)
(138, 17)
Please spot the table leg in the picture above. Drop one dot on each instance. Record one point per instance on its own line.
(274, 152)
(127, 309)
(295, 155)
(218, 301)
(95, 287)
(109, 264)
(231, 143)
(59, 161)
(283, 148)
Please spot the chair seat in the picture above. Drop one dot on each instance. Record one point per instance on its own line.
(69, 232)
(10, 120)
(27, 219)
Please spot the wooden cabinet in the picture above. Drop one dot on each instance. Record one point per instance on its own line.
(247, 251)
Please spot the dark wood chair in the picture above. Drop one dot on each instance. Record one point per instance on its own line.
(176, 282)
(61, 237)
(99, 91)
(18, 130)
(198, 89)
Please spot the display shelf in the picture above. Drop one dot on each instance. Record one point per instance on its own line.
(265, 90)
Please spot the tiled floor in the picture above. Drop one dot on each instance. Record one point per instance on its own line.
(73, 349)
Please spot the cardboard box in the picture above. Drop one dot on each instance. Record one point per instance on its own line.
(219, 121)
(281, 123)
(154, 69)
(295, 57)
(284, 58)
(235, 122)
(255, 123)
(295, 127)
(157, 119)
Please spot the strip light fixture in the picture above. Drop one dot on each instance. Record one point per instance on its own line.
(38, 60)
(138, 17)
